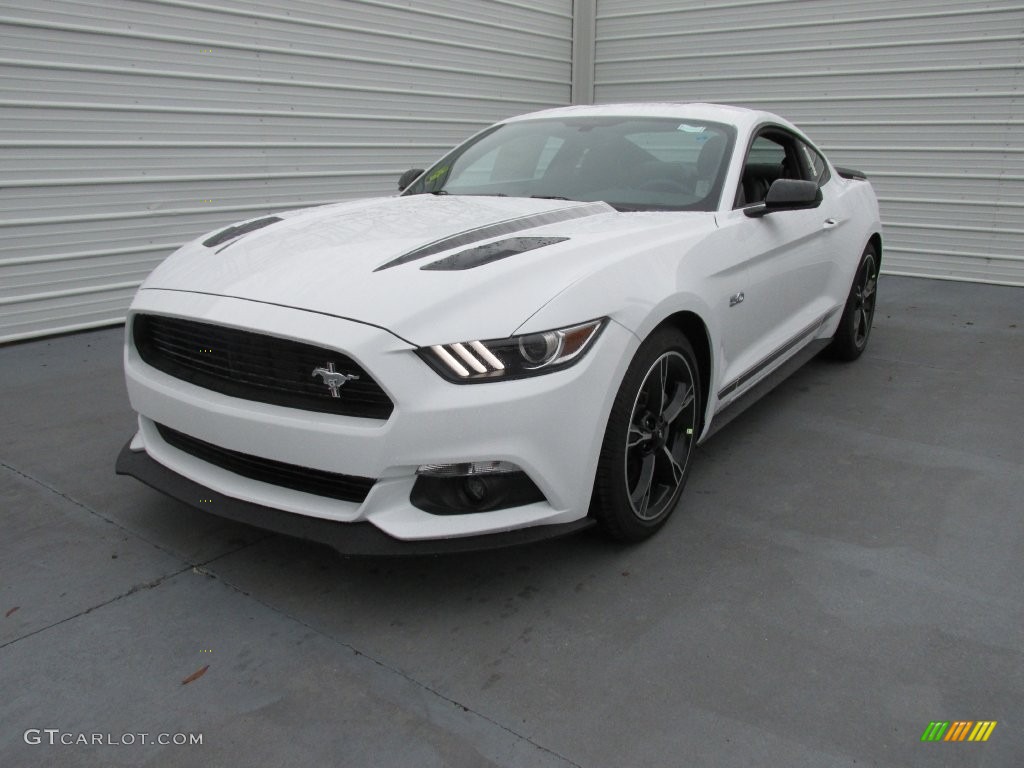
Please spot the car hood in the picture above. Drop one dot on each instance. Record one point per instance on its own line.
(365, 260)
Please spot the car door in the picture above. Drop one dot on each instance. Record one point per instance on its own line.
(774, 296)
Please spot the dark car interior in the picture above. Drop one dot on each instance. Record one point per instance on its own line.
(776, 155)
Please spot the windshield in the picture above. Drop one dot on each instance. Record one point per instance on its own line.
(634, 164)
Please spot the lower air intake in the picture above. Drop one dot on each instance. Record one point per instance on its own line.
(315, 481)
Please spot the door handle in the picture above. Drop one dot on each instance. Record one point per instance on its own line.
(830, 223)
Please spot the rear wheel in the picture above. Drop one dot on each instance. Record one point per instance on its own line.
(650, 439)
(851, 337)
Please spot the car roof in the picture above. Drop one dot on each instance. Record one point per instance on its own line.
(741, 117)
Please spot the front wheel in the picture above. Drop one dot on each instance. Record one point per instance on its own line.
(851, 337)
(650, 438)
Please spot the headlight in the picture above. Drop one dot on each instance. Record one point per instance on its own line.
(473, 362)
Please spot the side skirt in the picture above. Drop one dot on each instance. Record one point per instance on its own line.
(733, 409)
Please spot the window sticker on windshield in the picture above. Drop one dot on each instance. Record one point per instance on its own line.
(691, 128)
(438, 174)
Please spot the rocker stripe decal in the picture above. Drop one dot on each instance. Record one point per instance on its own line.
(805, 334)
(506, 227)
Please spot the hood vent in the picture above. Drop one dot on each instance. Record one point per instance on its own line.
(240, 229)
(485, 254)
(316, 481)
(507, 227)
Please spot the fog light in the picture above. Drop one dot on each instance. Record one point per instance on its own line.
(462, 489)
(476, 489)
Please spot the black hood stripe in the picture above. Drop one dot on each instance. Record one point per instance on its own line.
(488, 253)
(506, 227)
(240, 229)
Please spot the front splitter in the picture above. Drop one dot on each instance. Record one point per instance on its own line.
(362, 539)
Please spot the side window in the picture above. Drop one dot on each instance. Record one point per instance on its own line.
(815, 163)
(765, 151)
(765, 163)
(776, 154)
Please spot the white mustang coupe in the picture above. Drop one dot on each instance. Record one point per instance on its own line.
(531, 338)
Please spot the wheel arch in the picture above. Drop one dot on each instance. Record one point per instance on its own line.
(876, 240)
(696, 331)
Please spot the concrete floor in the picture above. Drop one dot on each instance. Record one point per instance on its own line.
(846, 567)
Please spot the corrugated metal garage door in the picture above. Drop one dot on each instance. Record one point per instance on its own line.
(129, 127)
(925, 96)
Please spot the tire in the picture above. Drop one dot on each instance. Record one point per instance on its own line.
(650, 439)
(851, 337)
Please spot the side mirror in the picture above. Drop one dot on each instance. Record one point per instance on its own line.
(408, 178)
(787, 195)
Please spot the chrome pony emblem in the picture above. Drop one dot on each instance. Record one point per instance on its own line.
(333, 379)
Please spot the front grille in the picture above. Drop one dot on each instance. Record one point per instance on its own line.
(254, 366)
(315, 481)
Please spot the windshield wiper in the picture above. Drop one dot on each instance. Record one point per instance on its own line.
(650, 207)
(474, 194)
(548, 197)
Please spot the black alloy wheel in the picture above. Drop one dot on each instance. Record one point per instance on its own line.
(650, 438)
(851, 337)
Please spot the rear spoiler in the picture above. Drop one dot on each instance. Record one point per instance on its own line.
(849, 173)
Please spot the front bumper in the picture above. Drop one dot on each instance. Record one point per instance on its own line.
(346, 538)
(551, 426)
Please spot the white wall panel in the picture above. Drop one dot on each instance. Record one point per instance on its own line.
(131, 126)
(926, 96)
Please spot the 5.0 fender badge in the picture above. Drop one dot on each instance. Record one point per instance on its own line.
(333, 379)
